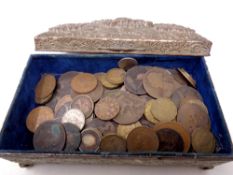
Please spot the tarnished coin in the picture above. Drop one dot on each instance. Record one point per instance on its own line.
(203, 141)
(127, 63)
(187, 76)
(195, 101)
(183, 93)
(62, 110)
(133, 80)
(61, 92)
(37, 116)
(142, 139)
(49, 136)
(124, 130)
(91, 139)
(52, 102)
(73, 137)
(131, 107)
(45, 86)
(74, 116)
(102, 77)
(144, 122)
(113, 143)
(178, 77)
(65, 79)
(116, 76)
(163, 109)
(192, 116)
(159, 83)
(173, 137)
(148, 114)
(43, 100)
(84, 83)
(107, 108)
(83, 103)
(61, 102)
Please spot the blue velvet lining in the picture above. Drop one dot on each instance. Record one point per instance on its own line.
(15, 136)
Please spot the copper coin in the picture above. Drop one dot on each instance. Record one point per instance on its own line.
(142, 139)
(62, 101)
(133, 80)
(73, 137)
(52, 102)
(45, 86)
(74, 116)
(116, 76)
(107, 108)
(178, 131)
(159, 83)
(148, 114)
(84, 83)
(185, 92)
(127, 63)
(203, 141)
(131, 107)
(102, 77)
(124, 130)
(192, 116)
(187, 76)
(43, 100)
(195, 101)
(91, 139)
(61, 92)
(163, 109)
(83, 103)
(113, 143)
(49, 136)
(66, 78)
(63, 109)
(37, 116)
(178, 77)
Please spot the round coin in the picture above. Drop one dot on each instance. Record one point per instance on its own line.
(124, 130)
(195, 101)
(37, 116)
(113, 143)
(163, 109)
(107, 108)
(84, 83)
(49, 136)
(65, 79)
(142, 139)
(102, 77)
(203, 141)
(62, 101)
(187, 76)
(43, 100)
(178, 77)
(62, 110)
(148, 114)
(116, 76)
(127, 63)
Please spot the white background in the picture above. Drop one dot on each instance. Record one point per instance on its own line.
(21, 20)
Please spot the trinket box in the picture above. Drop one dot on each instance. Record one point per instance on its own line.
(97, 47)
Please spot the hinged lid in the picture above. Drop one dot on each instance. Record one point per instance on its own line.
(124, 35)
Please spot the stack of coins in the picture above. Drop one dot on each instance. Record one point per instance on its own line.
(131, 107)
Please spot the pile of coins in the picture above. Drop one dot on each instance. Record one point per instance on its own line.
(131, 107)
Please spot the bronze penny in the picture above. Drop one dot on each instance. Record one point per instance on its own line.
(142, 139)
(107, 108)
(66, 78)
(45, 86)
(195, 101)
(102, 77)
(61, 92)
(192, 116)
(131, 107)
(163, 109)
(124, 130)
(37, 116)
(203, 141)
(52, 102)
(91, 139)
(61, 102)
(185, 92)
(83, 103)
(127, 63)
(178, 77)
(133, 80)
(63, 109)
(159, 83)
(84, 83)
(116, 76)
(73, 137)
(49, 136)
(113, 143)
(148, 114)
(43, 100)
(187, 76)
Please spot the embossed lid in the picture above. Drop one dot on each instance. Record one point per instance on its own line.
(124, 35)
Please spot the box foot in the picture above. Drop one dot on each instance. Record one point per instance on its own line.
(206, 167)
(26, 165)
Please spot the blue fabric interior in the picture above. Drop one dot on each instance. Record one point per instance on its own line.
(15, 136)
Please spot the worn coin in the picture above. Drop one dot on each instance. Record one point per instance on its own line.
(73, 137)
(74, 116)
(133, 80)
(127, 63)
(113, 143)
(65, 79)
(49, 136)
(84, 83)
(159, 83)
(43, 100)
(61, 102)
(102, 77)
(107, 108)
(146, 123)
(91, 139)
(116, 76)
(52, 102)
(148, 114)
(163, 109)
(195, 101)
(192, 116)
(203, 141)
(178, 77)
(124, 130)
(83, 103)
(142, 139)
(62, 110)
(187, 76)
(37, 116)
